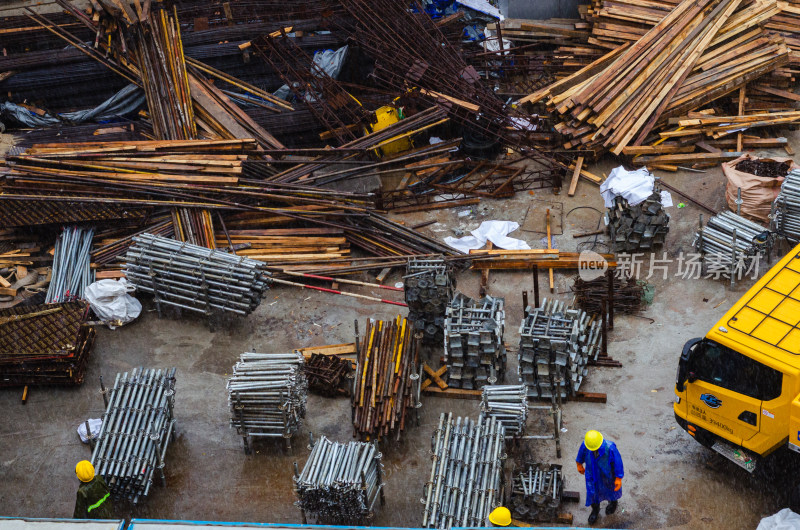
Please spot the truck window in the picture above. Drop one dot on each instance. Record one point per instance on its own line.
(729, 369)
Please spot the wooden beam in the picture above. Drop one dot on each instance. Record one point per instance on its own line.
(573, 185)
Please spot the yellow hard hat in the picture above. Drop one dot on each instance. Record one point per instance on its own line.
(85, 471)
(500, 516)
(593, 440)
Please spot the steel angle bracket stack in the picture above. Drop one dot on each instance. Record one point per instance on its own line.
(137, 427)
(556, 343)
(729, 242)
(509, 405)
(640, 227)
(193, 277)
(429, 287)
(786, 208)
(473, 342)
(466, 476)
(267, 396)
(536, 492)
(340, 482)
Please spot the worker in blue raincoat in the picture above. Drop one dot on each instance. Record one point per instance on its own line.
(600, 462)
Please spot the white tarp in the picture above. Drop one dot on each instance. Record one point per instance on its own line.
(494, 231)
(785, 519)
(633, 186)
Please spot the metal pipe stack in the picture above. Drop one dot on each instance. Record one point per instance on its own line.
(137, 427)
(509, 405)
(536, 492)
(195, 278)
(340, 482)
(786, 214)
(429, 287)
(387, 383)
(267, 395)
(71, 259)
(715, 242)
(466, 475)
(473, 342)
(556, 341)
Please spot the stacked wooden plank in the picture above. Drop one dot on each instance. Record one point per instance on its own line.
(292, 244)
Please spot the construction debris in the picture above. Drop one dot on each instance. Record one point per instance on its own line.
(193, 277)
(45, 344)
(536, 492)
(137, 427)
(474, 350)
(429, 286)
(328, 375)
(467, 472)
(340, 482)
(640, 227)
(267, 395)
(786, 209)
(508, 404)
(556, 344)
(387, 381)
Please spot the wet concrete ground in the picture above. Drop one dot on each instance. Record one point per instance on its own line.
(671, 481)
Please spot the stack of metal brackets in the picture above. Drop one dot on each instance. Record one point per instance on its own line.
(466, 475)
(473, 342)
(429, 287)
(536, 492)
(640, 227)
(555, 345)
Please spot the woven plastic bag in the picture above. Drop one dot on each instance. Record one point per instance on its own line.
(110, 300)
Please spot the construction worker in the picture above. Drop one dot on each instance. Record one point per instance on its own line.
(600, 462)
(94, 497)
(500, 516)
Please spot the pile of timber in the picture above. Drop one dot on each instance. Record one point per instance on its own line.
(697, 53)
(285, 245)
(542, 258)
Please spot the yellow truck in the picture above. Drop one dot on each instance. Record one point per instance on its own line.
(738, 388)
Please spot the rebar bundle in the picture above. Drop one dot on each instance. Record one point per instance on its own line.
(71, 270)
(267, 395)
(137, 427)
(640, 227)
(556, 341)
(429, 287)
(45, 344)
(508, 404)
(591, 295)
(328, 374)
(786, 208)
(473, 342)
(387, 382)
(729, 244)
(340, 482)
(193, 277)
(466, 475)
(536, 492)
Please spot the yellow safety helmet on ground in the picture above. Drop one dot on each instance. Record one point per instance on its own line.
(593, 440)
(85, 471)
(500, 516)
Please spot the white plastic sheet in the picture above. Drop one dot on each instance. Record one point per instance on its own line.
(633, 186)
(785, 519)
(110, 301)
(494, 231)
(94, 427)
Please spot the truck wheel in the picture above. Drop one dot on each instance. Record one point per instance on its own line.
(794, 499)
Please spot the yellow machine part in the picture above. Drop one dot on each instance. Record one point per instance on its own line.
(386, 116)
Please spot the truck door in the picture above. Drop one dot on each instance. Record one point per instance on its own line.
(724, 391)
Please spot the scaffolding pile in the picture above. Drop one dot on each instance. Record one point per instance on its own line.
(466, 475)
(267, 395)
(340, 482)
(731, 245)
(473, 342)
(429, 287)
(556, 343)
(137, 426)
(786, 208)
(509, 405)
(536, 492)
(193, 277)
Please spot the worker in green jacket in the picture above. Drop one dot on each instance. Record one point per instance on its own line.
(94, 497)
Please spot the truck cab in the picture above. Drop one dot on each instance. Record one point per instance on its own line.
(738, 388)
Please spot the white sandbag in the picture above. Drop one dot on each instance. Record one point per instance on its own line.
(785, 519)
(94, 428)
